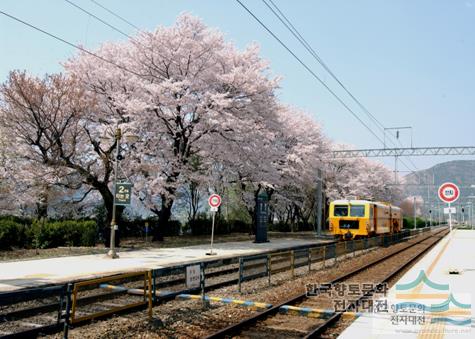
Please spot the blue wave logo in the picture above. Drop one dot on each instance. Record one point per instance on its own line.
(445, 320)
(434, 308)
(422, 278)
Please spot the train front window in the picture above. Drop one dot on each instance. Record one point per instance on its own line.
(357, 210)
(340, 211)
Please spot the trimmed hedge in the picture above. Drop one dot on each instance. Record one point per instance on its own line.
(408, 223)
(44, 234)
(202, 226)
(12, 234)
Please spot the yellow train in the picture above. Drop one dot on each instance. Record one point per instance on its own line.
(350, 219)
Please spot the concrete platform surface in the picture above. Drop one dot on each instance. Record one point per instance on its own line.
(432, 300)
(34, 273)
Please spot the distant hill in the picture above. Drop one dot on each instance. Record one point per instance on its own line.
(426, 182)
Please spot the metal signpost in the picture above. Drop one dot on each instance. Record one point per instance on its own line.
(449, 193)
(214, 201)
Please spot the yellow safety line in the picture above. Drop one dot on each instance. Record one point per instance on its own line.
(425, 333)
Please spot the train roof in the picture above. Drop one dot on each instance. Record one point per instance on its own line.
(356, 201)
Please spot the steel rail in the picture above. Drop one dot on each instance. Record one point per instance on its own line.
(236, 328)
(54, 328)
(316, 333)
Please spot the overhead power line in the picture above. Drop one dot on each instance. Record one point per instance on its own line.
(68, 43)
(99, 19)
(310, 71)
(288, 24)
(115, 14)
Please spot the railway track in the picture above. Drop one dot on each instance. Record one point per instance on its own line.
(32, 319)
(273, 323)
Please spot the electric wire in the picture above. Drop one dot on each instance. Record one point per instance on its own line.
(115, 14)
(68, 43)
(310, 71)
(99, 19)
(288, 24)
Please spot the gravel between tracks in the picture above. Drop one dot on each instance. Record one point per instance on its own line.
(187, 319)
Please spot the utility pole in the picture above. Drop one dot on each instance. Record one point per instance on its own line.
(395, 169)
(318, 212)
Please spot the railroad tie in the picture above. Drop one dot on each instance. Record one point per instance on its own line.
(245, 303)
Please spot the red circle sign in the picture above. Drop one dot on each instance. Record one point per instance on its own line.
(214, 200)
(449, 192)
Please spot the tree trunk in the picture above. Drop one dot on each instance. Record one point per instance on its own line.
(163, 217)
(42, 205)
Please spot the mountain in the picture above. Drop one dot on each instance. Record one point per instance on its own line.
(425, 183)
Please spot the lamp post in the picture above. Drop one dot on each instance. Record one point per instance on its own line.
(112, 253)
(114, 227)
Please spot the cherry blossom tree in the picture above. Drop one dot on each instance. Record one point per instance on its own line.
(54, 130)
(305, 148)
(360, 177)
(188, 94)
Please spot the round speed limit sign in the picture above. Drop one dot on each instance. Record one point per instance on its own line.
(449, 192)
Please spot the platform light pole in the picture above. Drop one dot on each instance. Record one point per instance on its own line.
(117, 135)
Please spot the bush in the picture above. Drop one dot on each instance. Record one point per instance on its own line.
(408, 223)
(280, 227)
(44, 234)
(200, 226)
(173, 228)
(12, 234)
(239, 226)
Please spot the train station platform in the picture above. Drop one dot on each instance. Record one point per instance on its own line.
(34, 273)
(431, 300)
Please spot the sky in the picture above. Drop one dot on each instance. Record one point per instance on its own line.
(410, 63)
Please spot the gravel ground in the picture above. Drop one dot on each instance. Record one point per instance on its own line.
(187, 319)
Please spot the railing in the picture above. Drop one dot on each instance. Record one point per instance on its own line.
(253, 267)
(154, 283)
(144, 295)
(54, 299)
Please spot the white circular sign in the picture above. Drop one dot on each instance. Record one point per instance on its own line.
(214, 201)
(448, 192)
